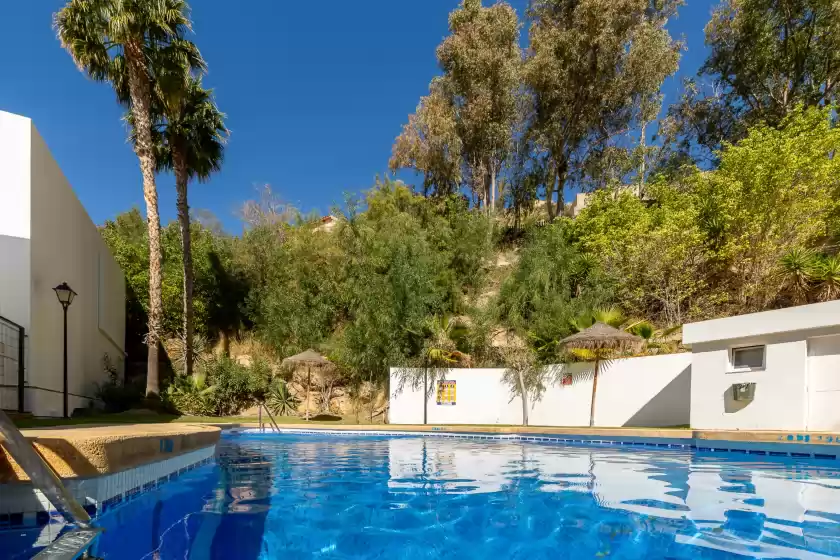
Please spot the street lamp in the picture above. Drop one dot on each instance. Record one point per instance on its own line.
(65, 295)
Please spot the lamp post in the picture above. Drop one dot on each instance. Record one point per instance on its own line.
(65, 296)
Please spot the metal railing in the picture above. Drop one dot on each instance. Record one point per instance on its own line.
(13, 345)
(44, 479)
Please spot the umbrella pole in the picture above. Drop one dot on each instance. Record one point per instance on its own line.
(308, 388)
(594, 389)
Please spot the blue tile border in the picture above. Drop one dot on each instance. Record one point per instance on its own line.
(20, 520)
(692, 444)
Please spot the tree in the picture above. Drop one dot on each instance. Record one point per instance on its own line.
(191, 143)
(430, 144)
(525, 375)
(467, 120)
(774, 190)
(766, 58)
(554, 283)
(595, 68)
(481, 61)
(116, 41)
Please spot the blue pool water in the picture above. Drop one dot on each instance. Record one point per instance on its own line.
(341, 497)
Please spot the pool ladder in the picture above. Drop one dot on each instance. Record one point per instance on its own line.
(272, 424)
(73, 543)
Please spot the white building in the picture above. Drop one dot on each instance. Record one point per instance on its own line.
(789, 359)
(47, 238)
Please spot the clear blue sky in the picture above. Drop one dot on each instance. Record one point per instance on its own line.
(314, 96)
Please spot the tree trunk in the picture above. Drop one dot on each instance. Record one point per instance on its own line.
(492, 187)
(372, 398)
(594, 390)
(549, 190)
(561, 181)
(140, 94)
(425, 397)
(181, 182)
(524, 399)
(224, 342)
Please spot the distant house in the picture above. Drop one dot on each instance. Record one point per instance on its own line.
(775, 370)
(327, 223)
(47, 238)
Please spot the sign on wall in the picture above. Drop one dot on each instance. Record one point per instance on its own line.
(446, 392)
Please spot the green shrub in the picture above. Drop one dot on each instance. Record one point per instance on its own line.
(223, 387)
(115, 395)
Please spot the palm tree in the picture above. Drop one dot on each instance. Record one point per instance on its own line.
(113, 41)
(191, 143)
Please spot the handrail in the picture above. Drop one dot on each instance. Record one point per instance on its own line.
(41, 474)
(275, 427)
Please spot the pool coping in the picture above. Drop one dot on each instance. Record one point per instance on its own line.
(761, 443)
(91, 451)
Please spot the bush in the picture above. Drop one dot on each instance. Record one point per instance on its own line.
(223, 387)
(116, 395)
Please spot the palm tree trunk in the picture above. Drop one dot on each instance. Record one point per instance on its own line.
(594, 390)
(524, 399)
(140, 94)
(181, 182)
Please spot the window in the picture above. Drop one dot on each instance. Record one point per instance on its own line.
(747, 358)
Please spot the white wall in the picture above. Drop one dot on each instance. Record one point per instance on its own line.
(15, 134)
(648, 391)
(67, 247)
(780, 401)
(14, 278)
(481, 398)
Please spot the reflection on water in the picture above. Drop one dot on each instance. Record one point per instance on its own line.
(764, 509)
(342, 497)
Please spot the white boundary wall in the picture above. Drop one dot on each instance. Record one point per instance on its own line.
(647, 391)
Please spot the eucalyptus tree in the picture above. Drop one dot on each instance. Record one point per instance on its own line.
(112, 41)
(594, 70)
(765, 58)
(468, 118)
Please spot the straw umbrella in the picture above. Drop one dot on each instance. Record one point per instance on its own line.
(601, 339)
(311, 359)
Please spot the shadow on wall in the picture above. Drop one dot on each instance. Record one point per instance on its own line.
(730, 405)
(675, 396)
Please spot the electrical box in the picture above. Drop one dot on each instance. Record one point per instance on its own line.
(743, 391)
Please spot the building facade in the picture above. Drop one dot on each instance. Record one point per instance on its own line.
(775, 370)
(46, 238)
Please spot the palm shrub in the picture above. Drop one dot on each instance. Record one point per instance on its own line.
(190, 394)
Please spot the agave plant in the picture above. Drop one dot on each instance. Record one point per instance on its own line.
(828, 276)
(800, 267)
(280, 400)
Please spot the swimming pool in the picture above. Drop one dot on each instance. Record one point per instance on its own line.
(336, 497)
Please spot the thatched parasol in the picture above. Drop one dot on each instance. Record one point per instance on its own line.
(601, 338)
(311, 359)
